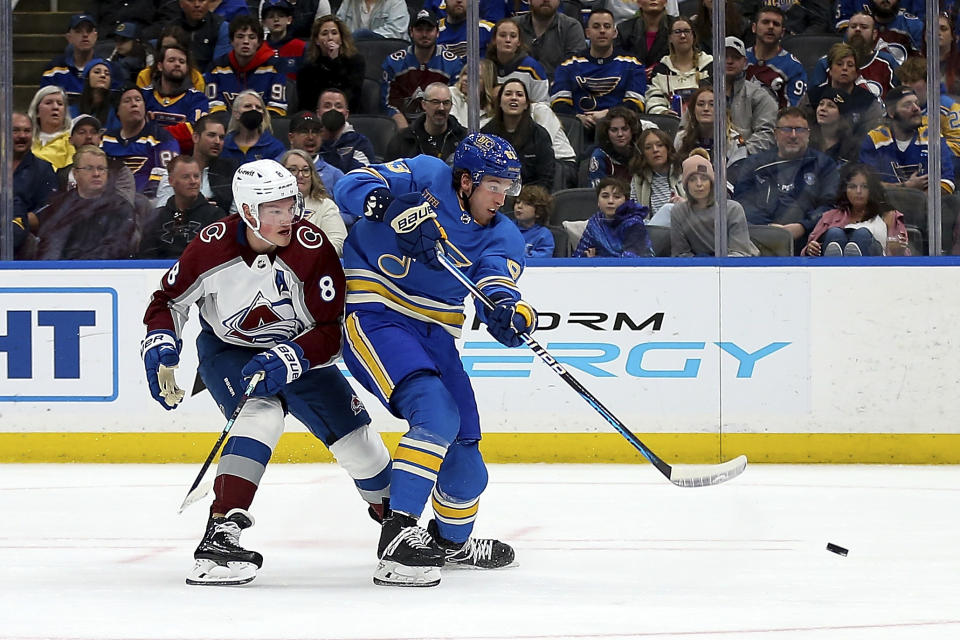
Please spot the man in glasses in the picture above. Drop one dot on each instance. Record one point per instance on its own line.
(403, 316)
(435, 133)
(769, 63)
(90, 222)
(791, 185)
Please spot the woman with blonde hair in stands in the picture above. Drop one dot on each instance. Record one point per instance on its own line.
(319, 207)
(678, 75)
(331, 61)
(509, 53)
(49, 111)
(692, 221)
(249, 133)
(487, 94)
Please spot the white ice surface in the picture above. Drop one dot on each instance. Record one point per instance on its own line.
(607, 552)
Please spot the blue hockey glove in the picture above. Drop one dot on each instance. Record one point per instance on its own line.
(509, 319)
(282, 365)
(376, 204)
(160, 351)
(418, 231)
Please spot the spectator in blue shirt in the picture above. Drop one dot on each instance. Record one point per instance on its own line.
(532, 210)
(249, 134)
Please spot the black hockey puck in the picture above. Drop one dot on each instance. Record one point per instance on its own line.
(837, 549)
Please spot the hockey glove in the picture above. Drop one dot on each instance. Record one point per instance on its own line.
(418, 231)
(509, 319)
(377, 203)
(160, 351)
(281, 365)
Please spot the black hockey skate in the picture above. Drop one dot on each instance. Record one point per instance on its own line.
(220, 560)
(409, 557)
(475, 553)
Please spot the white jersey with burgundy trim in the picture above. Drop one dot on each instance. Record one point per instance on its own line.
(295, 293)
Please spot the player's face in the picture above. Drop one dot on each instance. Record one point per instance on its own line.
(174, 65)
(843, 72)
(245, 43)
(654, 151)
(186, 179)
(328, 39)
(507, 40)
(276, 22)
(276, 220)
(487, 198)
(619, 133)
(703, 109)
(83, 37)
(85, 134)
(601, 31)
(524, 212)
(424, 35)
(858, 192)
(99, 77)
(301, 171)
(513, 99)
(131, 108)
(50, 112)
(827, 112)
(861, 25)
(90, 171)
(609, 199)
(210, 141)
(22, 133)
(194, 10)
(699, 186)
(793, 136)
(769, 28)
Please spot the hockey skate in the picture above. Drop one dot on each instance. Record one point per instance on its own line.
(220, 560)
(475, 553)
(409, 557)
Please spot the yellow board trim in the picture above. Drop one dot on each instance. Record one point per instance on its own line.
(870, 448)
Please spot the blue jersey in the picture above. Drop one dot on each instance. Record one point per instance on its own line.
(783, 73)
(226, 80)
(584, 83)
(454, 36)
(169, 110)
(531, 73)
(491, 10)
(379, 278)
(903, 34)
(846, 8)
(880, 151)
(146, 155)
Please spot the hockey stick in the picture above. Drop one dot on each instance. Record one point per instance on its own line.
(197, 491)
(680, 475)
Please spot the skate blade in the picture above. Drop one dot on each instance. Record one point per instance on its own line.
(209, 573)
(472, 567)
(393, 574)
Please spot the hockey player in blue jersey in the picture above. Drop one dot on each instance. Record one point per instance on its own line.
(403, 315)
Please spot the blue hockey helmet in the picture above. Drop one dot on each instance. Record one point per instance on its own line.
(482, 154)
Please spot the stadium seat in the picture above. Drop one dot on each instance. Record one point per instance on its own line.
(374, 52)
(370, 98)
(771, 241)
(664, 121)
(949, 215)
(281, 130)
(379, 129)
(573, 204)
(660, 238)
(574, 131)
(810, 47)
(912, 203)
(561, 242)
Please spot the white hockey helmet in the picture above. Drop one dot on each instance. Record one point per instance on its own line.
(264, 181)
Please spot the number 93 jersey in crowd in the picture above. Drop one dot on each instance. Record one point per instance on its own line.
(295, 293)
(378, 275)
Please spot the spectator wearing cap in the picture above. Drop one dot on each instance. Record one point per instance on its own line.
(866, 108)
(831, 130)
(208, 32)
(453, 29)
(216, 172)
(33, 180)
(790, 185)
(331, 62)
(342, 145)
(407, 73)
(181, 217)
(551, 35)
(305, 134)
(752, 107)
(898, 148)
(91, 222)
(110, 14)
(128, 53)
(277, 16)
(251, 65)
(169, 100)
(229, 9)
(435, 133)
(51, 126)
(382, 19)
(97, 97)
(877, 62)
(66, 70)
(144, 145)
(87, 130)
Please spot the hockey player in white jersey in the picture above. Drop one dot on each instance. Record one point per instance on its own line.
(270, 292)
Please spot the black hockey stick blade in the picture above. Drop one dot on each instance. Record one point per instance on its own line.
(680, 475)
(196, 490)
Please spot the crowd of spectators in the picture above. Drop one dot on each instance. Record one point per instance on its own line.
(136, 129)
